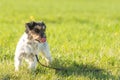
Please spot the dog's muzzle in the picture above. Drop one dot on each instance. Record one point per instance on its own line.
(42, 40)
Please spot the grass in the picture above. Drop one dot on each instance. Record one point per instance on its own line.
(83, 36)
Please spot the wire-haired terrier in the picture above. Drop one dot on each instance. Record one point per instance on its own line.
(32, 42)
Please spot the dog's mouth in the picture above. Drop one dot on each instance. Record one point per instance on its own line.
(42, 40)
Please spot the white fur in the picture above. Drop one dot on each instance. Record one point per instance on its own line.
(27, 49)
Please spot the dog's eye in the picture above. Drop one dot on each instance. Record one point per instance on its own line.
(37, 30)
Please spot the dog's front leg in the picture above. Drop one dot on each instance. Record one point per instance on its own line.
(32, 61)
(46, 53)
(17, 62)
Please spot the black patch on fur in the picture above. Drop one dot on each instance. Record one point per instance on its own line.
(29, 26)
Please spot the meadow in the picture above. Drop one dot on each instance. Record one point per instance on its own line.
(83, 35)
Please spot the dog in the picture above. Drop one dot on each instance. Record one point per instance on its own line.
(32, 42)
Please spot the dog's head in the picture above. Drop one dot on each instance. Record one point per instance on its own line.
(36, 31)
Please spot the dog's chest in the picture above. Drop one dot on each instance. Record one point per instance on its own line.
(31, 48)
(28, 46)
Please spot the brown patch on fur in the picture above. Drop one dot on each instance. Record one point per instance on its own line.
(38, 27)
(33, 35)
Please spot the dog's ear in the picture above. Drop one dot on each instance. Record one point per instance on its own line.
(43, 25)
(29, 26)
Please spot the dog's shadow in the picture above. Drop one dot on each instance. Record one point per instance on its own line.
(87, 70)
(81, 70)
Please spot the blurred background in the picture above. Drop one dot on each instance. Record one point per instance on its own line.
(78, 31)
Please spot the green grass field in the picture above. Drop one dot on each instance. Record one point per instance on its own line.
(84, 38)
